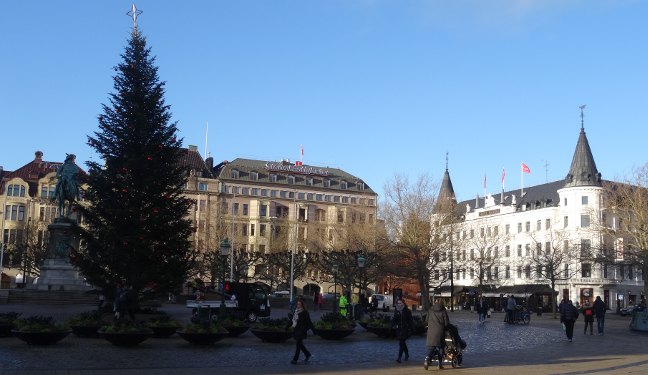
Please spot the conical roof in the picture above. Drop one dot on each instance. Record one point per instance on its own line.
(447, 191)
(583, 170)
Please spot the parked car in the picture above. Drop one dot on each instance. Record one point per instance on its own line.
(628, 310)
(385, 301)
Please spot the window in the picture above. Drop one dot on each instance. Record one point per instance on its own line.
(251, 229)
(47, 191)
(262, 230)
(343, 185)
(245, 209)
(585, 221)
(472, 254)
(548, 224)
(527, 272)
(586, 248)
(538, 271)
(273, 194)
(264, 192)
(584, 200)
(361, 186)
(327, 183)
(16, 191)
(291, 180)
(15, 212)
(548, 248)
(507, 251)
(309, 181)
(244, 232)
(319, 197)
(508, 229)
(340, 216)
(565, 246)
(495, 230)
(245, 191)
(527, 249)
(345, 200)
(234, 174)
(539, 225)
(254, 176)
(605, 271)
(301, 196)
(273, 177)
(565, 221)
(528, 226)
(519, 227)
(566, 271)
(255, 191)
(263, 210)
(565, 202)
(586, 270)
(519, 272)
(519, 250)
(202, 186)
(507, 272)
(538, 249)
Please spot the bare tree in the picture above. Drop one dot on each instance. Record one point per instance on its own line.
(626, 223)
(29, 251)
(416, 244)
(552, 264)
(485, 250)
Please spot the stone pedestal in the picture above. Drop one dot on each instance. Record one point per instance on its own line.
(57, 273)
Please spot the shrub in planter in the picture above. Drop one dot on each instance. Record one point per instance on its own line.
(7, 322)
(235, 327)
(126, 333)
(86, 324)
(381, 325)
(273, 330)
(163, 326)
(40, 330)
(203, 334)
(334, 326)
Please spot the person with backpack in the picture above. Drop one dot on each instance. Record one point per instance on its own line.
(588, 314)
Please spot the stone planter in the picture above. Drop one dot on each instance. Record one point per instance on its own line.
(236, 331)
(383, 332)
(271, 336)
(334, 334)
(126, 338)
(5, 329)
(162, 332)
(199, 338)
(86, 330)
(41, 338)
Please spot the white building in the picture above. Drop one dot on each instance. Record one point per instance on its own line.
(506, 238)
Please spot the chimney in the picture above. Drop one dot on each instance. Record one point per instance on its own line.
(210, 163)
(38, 156)
(193, 148)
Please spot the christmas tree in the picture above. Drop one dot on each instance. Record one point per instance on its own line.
(136, 230)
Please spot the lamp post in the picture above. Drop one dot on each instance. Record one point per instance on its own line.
(335, 271)
(224, 252)
(360, 305)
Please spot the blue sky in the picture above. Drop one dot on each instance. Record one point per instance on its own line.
(373, 87)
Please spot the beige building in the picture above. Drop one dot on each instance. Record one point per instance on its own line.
(246, 201)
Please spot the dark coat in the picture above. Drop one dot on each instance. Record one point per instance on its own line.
(403, 322)
(588, 314)
(304, 323)
(569, 312)
(481, 308)
(437, 321)
(599, 308)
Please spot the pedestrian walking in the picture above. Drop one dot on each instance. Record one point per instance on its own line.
(482, 309)
(568, 317)
(437, 321)
(404, 325)
(599, 312)
(301, 323)
(511, 304)
(588, 318)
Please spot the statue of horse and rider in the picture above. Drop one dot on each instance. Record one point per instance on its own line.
(67, 187)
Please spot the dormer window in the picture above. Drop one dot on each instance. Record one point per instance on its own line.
(309, 181)
(273, 177)
(291, 180)
(343, 185)
(361, 186)
(254, 176)
(16, 191)
(234, 173)
(327, 183)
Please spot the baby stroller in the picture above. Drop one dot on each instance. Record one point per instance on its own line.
(454, 346)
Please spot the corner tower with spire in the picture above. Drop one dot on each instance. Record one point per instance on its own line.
(583, 170)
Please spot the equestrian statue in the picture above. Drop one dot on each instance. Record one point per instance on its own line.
(67, 187)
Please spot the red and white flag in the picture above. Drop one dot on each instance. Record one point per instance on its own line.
(525, 168)
(503, 175)
(301, 151)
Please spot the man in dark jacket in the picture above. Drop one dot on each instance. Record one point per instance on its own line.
(599, 313)
(437, 321)
(568, 317)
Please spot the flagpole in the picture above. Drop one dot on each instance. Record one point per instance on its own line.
(521, 181)
(502, 196)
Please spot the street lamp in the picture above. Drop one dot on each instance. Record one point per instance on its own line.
(335, 271)
(224, 252)
(361, 265)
